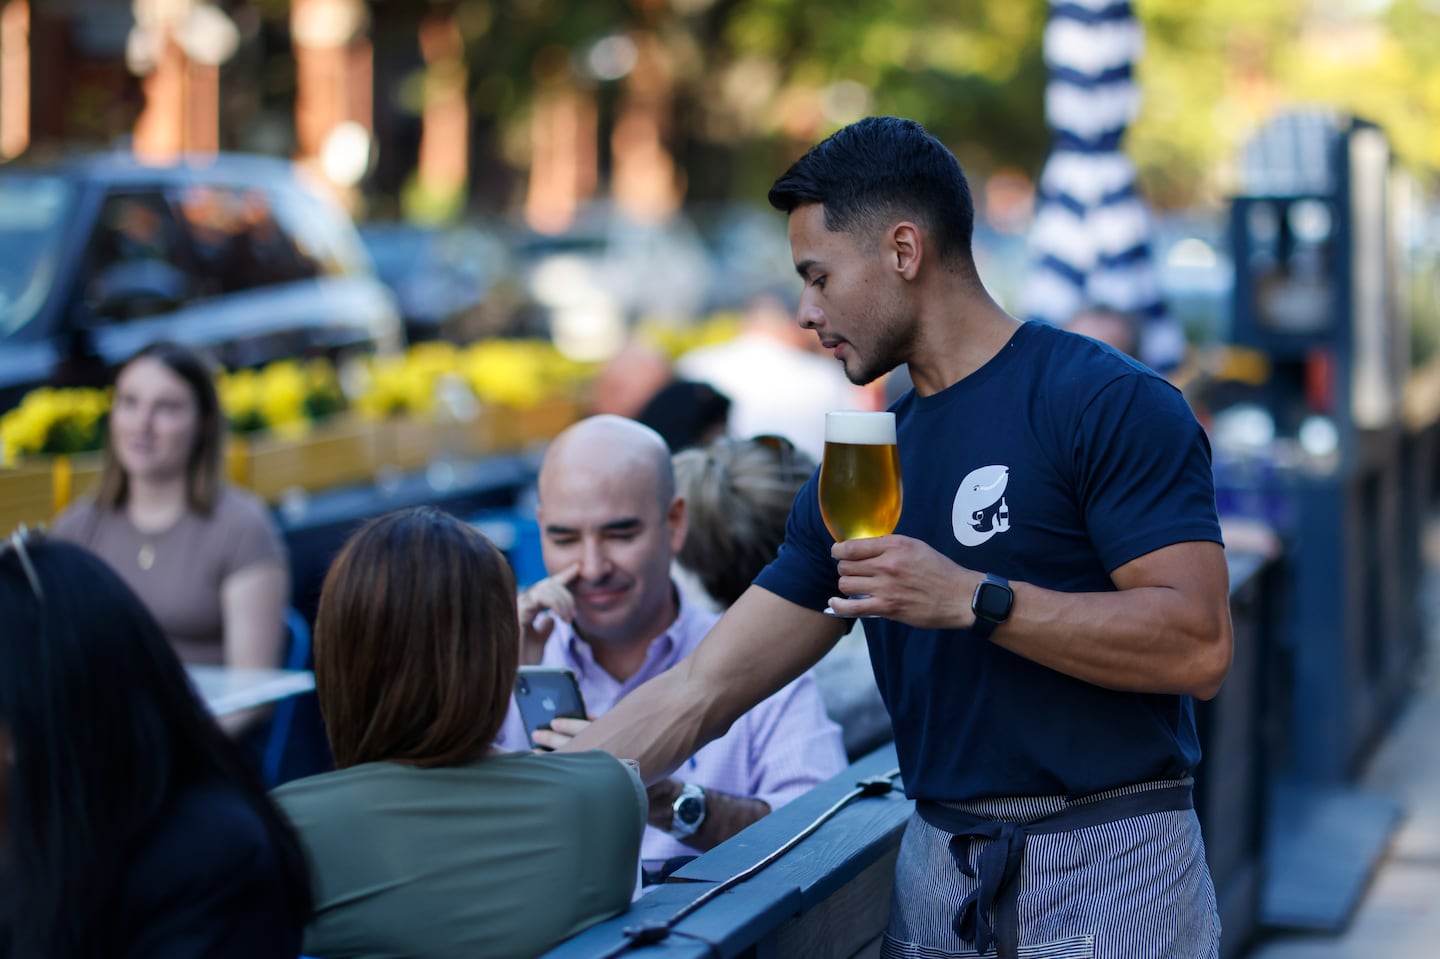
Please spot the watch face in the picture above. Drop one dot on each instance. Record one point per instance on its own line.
(689, 810)
(992, 601)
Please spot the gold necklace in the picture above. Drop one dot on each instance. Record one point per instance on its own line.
(146, 556)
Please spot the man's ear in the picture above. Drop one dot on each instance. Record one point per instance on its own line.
(907, 248)
(679, 519)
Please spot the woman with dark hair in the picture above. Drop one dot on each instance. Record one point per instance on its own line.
(130, 825)
(686, 414)
(205, 557)
(426, 841)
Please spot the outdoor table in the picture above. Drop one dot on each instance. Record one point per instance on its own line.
(227, 690)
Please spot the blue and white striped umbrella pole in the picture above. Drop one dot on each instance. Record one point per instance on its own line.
(1090, 241)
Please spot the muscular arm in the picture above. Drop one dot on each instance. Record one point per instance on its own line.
(1165, 629)
(760, 644)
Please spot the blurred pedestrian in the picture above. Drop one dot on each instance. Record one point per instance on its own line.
(776, 384)
(737, 498)
(425, 841)
(686, 414)
(628, 380)
(1111, 327)
(205, 557)
(130, 826)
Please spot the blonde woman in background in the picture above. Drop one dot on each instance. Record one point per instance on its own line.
(739, 494)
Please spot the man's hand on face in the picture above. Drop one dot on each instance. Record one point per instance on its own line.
(562, 730)
(552, 597)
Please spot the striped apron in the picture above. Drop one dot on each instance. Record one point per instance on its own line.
(1117, 875)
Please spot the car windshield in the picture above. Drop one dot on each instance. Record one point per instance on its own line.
(32, 222)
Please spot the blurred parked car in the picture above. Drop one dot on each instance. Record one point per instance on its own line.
(451, 282)
(608, 271)
(235, 255)
(750, 251)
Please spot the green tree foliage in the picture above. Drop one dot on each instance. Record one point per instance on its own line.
(755, 81)
(1214, 72)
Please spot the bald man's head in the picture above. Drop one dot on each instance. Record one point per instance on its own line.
(608, 507)
(602, 445)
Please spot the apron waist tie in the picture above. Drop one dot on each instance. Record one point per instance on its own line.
(999, 865)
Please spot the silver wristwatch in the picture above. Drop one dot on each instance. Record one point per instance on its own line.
(688, 811)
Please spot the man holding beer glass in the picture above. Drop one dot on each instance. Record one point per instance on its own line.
(859, 483)
(1053, 596)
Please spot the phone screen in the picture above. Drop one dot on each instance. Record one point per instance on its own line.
(544, 692)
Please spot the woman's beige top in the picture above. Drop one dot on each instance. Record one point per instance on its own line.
(178, 573)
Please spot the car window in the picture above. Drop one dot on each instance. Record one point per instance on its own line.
(136, 263)
(321, 228)
(239, 242)
(34, 211)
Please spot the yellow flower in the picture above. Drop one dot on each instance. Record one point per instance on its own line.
(674, 341)
(52, 421)
(282, 398)
(522, 373)
(240, 399)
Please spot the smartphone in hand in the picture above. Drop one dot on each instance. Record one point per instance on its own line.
(545, 692)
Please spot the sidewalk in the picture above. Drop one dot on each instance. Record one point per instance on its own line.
(1399, 916)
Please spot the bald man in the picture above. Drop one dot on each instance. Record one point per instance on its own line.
(611, 524)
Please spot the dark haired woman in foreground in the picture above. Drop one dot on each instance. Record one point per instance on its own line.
(130, 825)
(427, 842)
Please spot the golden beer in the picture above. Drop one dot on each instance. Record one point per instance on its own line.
(860, 475)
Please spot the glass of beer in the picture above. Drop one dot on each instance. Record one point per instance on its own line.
(859, 476)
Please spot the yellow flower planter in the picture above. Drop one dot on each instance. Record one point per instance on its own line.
(37, 492)
(338, 452)
(342, 451)
(27, 495)
(409, 444)
(518, 429)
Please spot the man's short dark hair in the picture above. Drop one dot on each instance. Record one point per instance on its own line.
(879, 169)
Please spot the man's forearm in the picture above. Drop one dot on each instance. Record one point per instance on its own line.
(659, 725)
(1165, 628)
(725, 814)
(760, 644)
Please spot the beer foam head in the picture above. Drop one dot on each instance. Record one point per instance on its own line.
(860, 428)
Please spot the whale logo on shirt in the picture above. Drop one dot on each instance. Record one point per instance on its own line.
(980, 509)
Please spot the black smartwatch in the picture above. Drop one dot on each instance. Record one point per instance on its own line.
(688, 811)
(991, 605)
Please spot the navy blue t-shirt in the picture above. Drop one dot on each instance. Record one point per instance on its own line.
(1054, 464)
